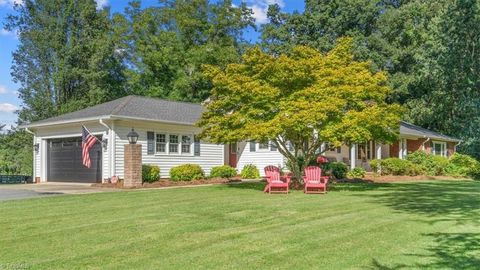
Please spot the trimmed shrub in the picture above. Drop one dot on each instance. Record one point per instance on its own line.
(395, 166)
(335, 169)
(375, 165)
(224, 171)
(356, 173)
(150, 173)
(186, 172)
(463, 165)
(433, 165)
(250, 171)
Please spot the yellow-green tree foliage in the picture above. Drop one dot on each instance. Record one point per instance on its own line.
(300, 100)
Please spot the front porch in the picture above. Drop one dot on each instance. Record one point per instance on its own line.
(363, 153)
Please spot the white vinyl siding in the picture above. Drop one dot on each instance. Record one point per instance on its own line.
(211, 155)
(261, 159)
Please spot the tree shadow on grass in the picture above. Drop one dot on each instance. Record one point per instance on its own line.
(449, 251)
(361, 186)
(437, 201)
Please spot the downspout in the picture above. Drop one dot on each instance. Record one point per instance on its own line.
(455, 147)
(109, 146)
(423, 144)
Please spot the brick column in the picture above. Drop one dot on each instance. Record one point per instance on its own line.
(132, 165)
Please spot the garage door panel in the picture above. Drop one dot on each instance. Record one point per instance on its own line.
(65, 161)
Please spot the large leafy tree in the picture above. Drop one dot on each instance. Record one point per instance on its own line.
(394, 35)
(166, 45)
(298, 101)
(16, 155)
(66, 58)
(449, 96)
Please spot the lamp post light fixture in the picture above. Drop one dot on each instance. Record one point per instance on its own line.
(132, 137)
(105, 144)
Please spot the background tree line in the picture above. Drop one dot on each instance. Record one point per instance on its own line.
(73, 55)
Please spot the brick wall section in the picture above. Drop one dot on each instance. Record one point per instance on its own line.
(450, 148)
(414, 145)
(394, 148)
(133, 165)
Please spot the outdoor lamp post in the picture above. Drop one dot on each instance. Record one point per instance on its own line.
(132, 137)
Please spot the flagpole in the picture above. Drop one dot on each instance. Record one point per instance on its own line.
(91, 133)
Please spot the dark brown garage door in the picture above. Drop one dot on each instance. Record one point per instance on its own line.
(65, 161)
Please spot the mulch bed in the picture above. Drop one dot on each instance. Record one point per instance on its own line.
(168, 183)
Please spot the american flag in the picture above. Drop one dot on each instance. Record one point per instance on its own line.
(88, 140)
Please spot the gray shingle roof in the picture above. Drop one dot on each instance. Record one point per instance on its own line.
(160, 110)
(413, 130)
(133, 107)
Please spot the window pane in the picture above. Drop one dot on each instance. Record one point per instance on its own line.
(161, 143)
(161, 138)
(186, 144)
(173, 148)
(160, 148)
(185, 139)
(263, 145)
(437, 149)
(173, 138)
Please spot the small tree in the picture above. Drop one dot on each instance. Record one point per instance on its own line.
(298, 101)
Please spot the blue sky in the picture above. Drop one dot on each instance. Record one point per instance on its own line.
(9, 101)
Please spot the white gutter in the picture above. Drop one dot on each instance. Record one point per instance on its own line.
(104, 117)
(455, 146)
(88, 119)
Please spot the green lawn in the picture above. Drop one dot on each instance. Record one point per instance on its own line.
(355, 226)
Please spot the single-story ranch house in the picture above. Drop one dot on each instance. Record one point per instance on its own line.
(167, 133)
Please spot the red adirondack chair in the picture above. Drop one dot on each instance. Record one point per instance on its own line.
(276, 183)
(314, 181)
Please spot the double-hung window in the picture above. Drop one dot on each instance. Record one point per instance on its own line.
(439, 148)
(161, 146)
(173, 144)
(186, 144)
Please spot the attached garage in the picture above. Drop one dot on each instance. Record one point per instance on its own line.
(64, 161)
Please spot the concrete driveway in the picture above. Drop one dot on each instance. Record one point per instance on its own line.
(25, 191)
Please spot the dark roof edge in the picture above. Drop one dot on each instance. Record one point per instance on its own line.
(430, 134)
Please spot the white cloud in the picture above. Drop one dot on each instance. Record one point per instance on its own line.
(260, 8)
(3, 89)
(100, 3)
(8, 108)
(6, 33)
(10, 2)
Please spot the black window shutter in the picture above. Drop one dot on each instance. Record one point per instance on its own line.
(252, 146)
(150, 143)
(196, 146)
(273, 146)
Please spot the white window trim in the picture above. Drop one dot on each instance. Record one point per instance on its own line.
(190, 153)
(167, 145)
(444, 150)
(257, 146)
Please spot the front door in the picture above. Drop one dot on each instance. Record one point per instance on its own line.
(232, 156)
